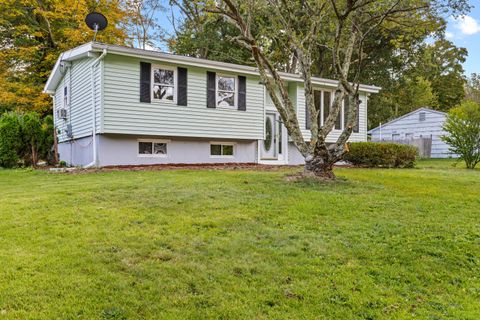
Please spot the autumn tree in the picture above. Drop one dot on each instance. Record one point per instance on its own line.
(301, 26)
(33, 33)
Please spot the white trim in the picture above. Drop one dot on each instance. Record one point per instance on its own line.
(152, 83)
(152, 141)
(223, 143)
(235, 91)
(70, 55)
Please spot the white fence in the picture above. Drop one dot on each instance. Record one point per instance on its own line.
(424, 145)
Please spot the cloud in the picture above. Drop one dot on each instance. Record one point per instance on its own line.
(449, 35)
(467, 25)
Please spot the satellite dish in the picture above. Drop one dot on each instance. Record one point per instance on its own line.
(96, 21)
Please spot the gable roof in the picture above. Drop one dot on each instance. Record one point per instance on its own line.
(93, 48)
(424, 109)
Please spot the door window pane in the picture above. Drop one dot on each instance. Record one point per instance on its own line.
(267, 144)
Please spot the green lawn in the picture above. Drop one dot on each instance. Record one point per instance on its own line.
(235, 244)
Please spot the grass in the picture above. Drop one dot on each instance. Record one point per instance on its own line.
(378, 244)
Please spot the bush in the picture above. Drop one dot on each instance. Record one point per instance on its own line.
(10, 140)
(463, 128)
(25, 138)
(384, 155)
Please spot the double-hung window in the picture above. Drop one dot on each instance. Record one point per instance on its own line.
(164, 81)
(226, 86)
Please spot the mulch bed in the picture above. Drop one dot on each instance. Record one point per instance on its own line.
(183, 166)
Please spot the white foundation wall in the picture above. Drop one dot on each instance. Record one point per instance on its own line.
(76, 152)
(123, 150)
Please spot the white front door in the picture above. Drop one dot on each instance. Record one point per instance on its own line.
(269, 143)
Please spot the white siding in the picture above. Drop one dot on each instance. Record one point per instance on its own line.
(334, 134)
(432, 126)
(123, 113)
(78, 80)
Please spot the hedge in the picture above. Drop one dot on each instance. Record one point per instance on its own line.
(25, 138)
(381, 154)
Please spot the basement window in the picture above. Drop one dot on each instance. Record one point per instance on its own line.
(152, 148)
(221, 149)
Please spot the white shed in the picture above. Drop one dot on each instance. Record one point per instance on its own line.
(421, 123)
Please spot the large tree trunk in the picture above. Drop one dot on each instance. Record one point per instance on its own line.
(317, 166)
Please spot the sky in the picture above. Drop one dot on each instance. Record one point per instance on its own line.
(463, 32)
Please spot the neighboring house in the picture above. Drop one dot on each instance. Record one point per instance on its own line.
(115, 105)
(421, 123)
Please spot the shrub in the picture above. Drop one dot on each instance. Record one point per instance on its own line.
(10, 140)
(25, 137)
(32, 137)
(385, 155)
(463, 128)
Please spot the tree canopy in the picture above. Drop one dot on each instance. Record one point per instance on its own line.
(33, 33)
(410, 57)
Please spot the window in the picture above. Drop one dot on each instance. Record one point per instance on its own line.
(408, 136)
(65, 97)
(221, 150)
(338, 121)
(225, 91)
(156, 148)
(395, 137)
(326, 105)
(163, 83)
(422, 116)
(346, 110)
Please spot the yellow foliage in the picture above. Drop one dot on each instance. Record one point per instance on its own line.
(37, 32)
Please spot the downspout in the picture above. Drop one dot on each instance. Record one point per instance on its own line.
(94, 162)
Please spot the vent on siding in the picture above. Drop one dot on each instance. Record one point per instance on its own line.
(62, 113)
(422, 116)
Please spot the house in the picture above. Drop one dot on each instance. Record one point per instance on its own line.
(116, 105)
(421, 123)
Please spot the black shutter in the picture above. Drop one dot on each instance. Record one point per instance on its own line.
(182, 87)
(307, 117)
(242, 93)
(211, 89)
(145, 76)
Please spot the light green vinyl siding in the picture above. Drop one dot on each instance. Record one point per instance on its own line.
(123, 113)
(78, 80)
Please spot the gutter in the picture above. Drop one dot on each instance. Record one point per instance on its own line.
(95, 63)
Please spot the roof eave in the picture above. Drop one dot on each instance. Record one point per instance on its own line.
(223, 66)
(84, 50)
(70, 55)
